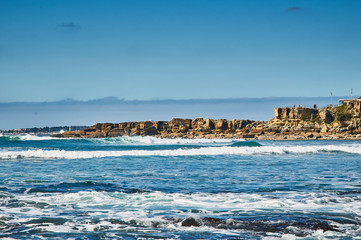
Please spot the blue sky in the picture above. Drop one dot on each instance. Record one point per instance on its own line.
(57, 49)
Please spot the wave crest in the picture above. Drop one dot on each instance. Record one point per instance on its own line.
(149, 140)
(203, 151)
(25, 137)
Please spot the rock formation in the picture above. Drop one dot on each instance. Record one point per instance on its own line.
(341, 122)
(295, 123)
(177, 127)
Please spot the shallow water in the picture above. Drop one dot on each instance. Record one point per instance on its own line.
(149, 188)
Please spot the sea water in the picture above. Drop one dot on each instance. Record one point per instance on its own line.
(151, 188)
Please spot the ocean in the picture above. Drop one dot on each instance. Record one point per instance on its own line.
(151, 188)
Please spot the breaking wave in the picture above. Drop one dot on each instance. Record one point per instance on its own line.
(202, 151)
(25, 137)
(231, 213)
(125, 140)
(148, 140)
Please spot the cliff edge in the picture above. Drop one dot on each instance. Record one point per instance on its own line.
(289, 123)
(176, 128)
(340, 122)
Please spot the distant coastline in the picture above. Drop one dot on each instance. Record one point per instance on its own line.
(43, 130)
(290, 123)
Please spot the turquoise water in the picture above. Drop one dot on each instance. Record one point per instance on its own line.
(149, 188)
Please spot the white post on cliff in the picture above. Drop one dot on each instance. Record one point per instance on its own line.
(331, 99)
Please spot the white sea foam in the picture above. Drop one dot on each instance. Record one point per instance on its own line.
(150, 207)
(27, 137)
(314, 235)
(127, 140)
(154, 207)
(222, 150)
(131, 205)
(149, 140)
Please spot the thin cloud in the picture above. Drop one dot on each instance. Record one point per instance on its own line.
(69, 26)
(293, 9)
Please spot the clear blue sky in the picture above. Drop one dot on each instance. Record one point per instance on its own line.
(57, 49)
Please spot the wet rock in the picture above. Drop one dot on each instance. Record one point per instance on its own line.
(190, 222)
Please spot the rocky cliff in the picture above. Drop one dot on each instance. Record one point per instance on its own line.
(177, 127)
(341, 122)
(295, 123)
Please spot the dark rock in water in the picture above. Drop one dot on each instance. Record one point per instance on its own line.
(304, 224)
(217, 223)
(320, 225)
(55, 221)
(190, 222)
(349, 192)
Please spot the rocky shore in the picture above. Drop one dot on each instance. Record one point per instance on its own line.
(290, 123)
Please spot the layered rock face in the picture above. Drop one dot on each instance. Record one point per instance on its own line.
(177, 127)
(297, 123)
(341, 122)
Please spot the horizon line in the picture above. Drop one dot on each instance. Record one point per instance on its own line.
(113, 99)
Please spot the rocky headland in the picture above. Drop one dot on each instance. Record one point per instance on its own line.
(289, 123)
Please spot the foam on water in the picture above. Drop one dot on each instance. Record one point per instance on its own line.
(25, 137)
(225, 150)
(149, 140)
(277, 190)
(142, 211)
(125, 140)
(137, 205)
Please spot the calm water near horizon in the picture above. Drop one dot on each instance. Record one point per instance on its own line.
(150, 188)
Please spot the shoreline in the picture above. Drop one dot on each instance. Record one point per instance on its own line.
(293, 137)
(294, 123)
(271, 138)
(300, 136)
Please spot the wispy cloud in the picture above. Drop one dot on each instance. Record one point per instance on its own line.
(71, 26)
(293, 9)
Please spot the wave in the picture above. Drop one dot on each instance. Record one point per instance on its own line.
(148, 140)
(246, 144)
(73, 187)
(125, 140)
(295, 213)
(202, 151)
(25, 137)
(215, 203)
